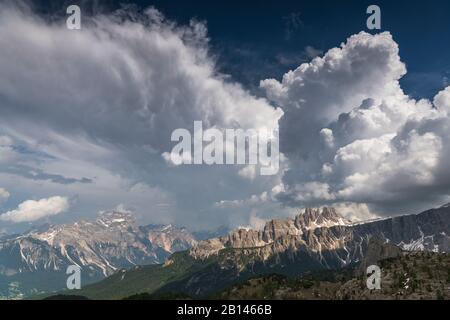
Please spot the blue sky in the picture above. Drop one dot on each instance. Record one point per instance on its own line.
(260, 28)
(249, 36)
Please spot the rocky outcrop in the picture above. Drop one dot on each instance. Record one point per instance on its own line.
(331, 240)
(300, 228)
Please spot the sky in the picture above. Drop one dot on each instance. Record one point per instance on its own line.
(86, 115)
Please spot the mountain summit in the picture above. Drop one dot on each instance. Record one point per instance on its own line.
(273, 230)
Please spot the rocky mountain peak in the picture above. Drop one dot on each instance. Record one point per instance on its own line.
(273, 230)
(317, 218)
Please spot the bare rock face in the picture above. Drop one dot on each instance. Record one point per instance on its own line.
(314, 218)
(168, 237)
(330, 240)
(378, 249)
(299, 228)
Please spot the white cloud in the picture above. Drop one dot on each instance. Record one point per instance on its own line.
(355, 211)
(248, 172)
(32, 210)
(353, 136)
(127, 82)
(102, 103)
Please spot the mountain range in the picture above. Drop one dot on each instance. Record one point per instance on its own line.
(315, 240)
(36, 261)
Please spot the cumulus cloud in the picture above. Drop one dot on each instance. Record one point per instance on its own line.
(120, 81)
(353, 136)
(102, 103)
(355, 212)
(32, 210)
